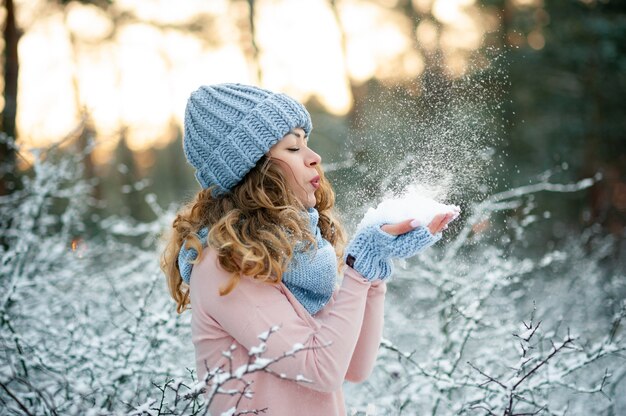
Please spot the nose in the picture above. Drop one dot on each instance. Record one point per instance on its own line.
(313, 159)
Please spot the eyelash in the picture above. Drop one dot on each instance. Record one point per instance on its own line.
(293, 149)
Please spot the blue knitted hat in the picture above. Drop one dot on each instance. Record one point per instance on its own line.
(229, 127)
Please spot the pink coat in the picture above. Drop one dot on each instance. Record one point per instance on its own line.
(351, 322)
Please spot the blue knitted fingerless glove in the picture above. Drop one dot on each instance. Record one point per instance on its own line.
(373, 249)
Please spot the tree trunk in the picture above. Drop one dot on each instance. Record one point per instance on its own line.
(11, 68)
(255, 47)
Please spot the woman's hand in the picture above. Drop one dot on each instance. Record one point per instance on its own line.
(438, 224)
(372, 248)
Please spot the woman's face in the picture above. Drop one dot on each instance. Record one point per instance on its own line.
(297, 163)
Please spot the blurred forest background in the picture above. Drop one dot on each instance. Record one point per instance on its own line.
(119, 73)
(486, 104)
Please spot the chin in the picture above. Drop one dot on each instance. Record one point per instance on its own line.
(310, 203)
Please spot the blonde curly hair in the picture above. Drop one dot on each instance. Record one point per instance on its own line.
(254, 229)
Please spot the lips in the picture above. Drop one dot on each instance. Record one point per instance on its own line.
(315, 182)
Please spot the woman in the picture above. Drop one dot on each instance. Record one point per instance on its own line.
(257, 254)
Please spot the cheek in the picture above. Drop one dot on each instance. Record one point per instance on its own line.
(293, 185)
(290, 170)
(289, 175)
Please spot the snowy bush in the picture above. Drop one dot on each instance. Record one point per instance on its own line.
(479, 327)
(484, 329)
(86, 326)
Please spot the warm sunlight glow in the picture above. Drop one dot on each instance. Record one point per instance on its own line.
(98, 85)
(46, 110)
(451, 11)
(536, 40)
(463, 30)
(527, 3)
(456, 63)
(133, 72)
(88, 22)
(143, 84)
(379, 42)
(422, 6)
(170, 11)
(138, 82)
(298, 57)
(427, 34)
(413, 65)
(464, 34)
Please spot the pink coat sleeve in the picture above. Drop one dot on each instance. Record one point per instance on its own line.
(254, 307)
(366, 351)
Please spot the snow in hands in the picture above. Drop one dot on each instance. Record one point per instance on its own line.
(413, 204)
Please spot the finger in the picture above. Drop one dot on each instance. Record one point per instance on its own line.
(434, 224)
(447, 220)
(398, 228)
(437, 224)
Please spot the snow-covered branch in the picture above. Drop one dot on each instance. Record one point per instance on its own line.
(226, 379)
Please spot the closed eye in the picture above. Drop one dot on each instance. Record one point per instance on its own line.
(293, 149)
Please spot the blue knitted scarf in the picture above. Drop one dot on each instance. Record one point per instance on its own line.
(310, 276)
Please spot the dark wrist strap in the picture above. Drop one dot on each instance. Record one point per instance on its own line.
(350, 260)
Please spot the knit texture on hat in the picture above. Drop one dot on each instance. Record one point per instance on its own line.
(373, 249)
(229, 127)
(311, 275)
